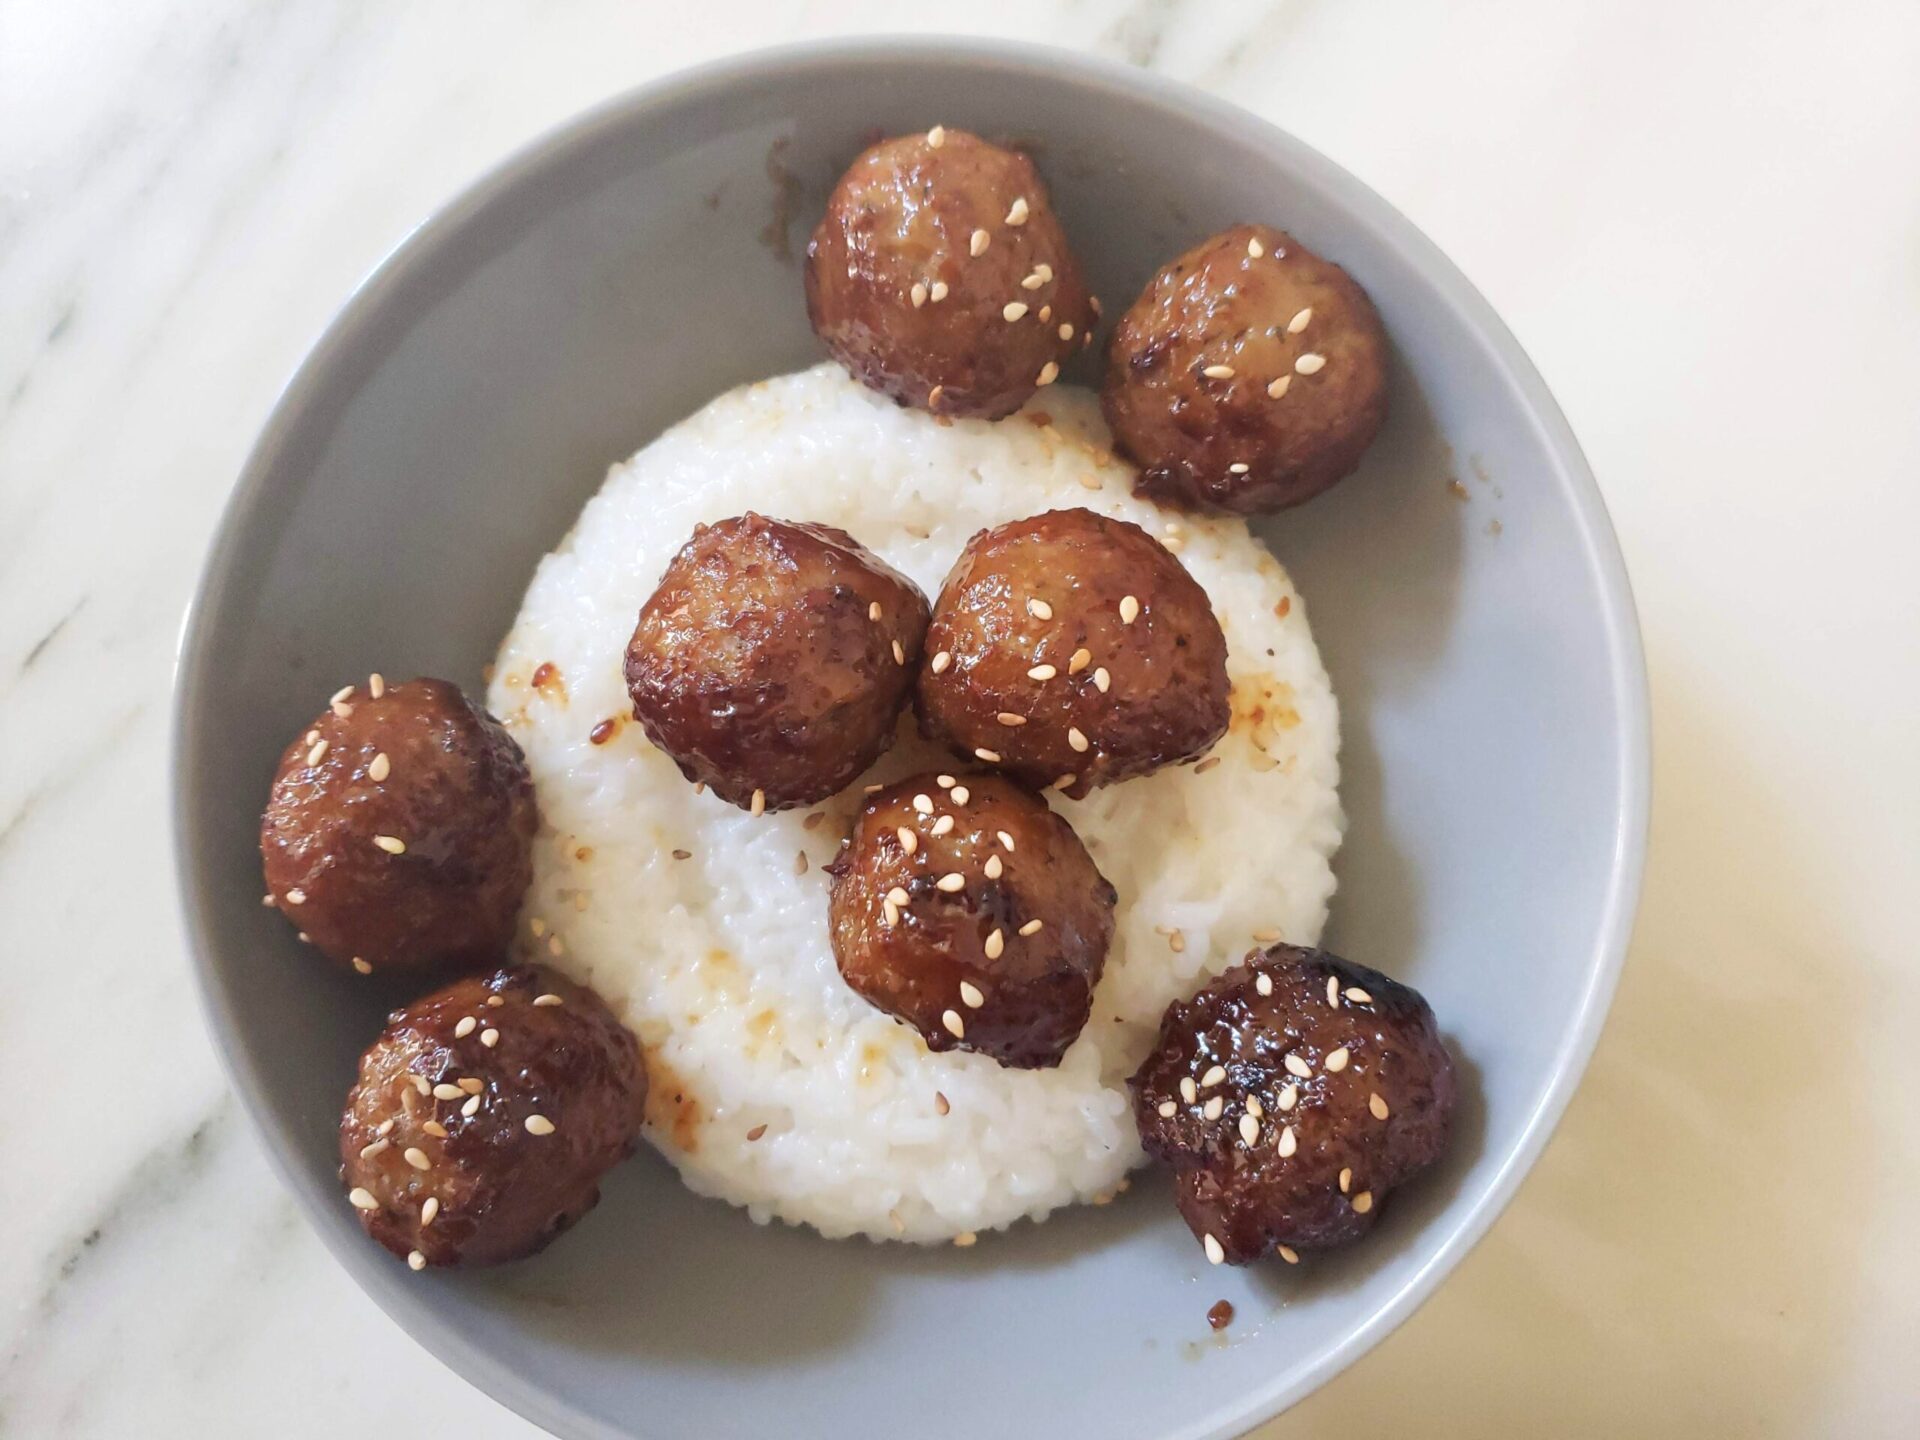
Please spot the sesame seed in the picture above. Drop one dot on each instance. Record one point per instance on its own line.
(1013, 310)
(941, 661)
(1017, 214)
(956, 1027)
(899, 1225)
(1040, 609)
(422, 1084)
(342, 709)
(318, 752)
(943, 825)
(1215, 1074)
(1032, 927)
(970, 993)
(941, 1105)
(1215, 1255)
(392, 844)
(937, 291)
(267, 899)
(1206, 765)
(1289, 1142)
(1288, 1098)
(1049, 373)
(362, 1199)
(699, 787)
(1033, 281)
(945, 782)
(1254, 247)
(385, 1127)
(1189, 1092)
(1042, 672)
(1249, 1128)
(1346, 1179)
(555, 946)
(1290, 1255)
(1005, 839)
(899, 653)
(1357, 996)
(1082, 658)
(496, 1000)
(918, 295)
(379, 768)
(933, 396)
(1093, 304)
(471, 1085)
(993, 867)
(756, 1132)
(445, 1091)
(1218, 372)
(889, 914)
(537, 926)
(435, 1129)
(1065, 782)
(992, 757)
(1278, 388)
(758, 805)
(1011, 720)
(1090, 481)
(1336, 1060)
(548, 999)
(1300, 322)
(429, 1210)
(539, 1125)
(1239, 467)
(1333, 991)
(472, 1107)
(1066, 330)
(376, 685)
(1102, 681)
(296, 896)
(1297, 1066)
(367, 1152)
(1166, 1109)
(1077, 739)
(936, 137)
(361, 966)
(898, 896)
(873, 611)
(977, 243)
(1266, 937)
(951, 883)
(965, 1238)
(1363, 1202)
(417, 1158)
(923, 804)
(683, 854)
(416, 1261)
(345, 692)
(489, 1037)
(1214, 1107)
(1377, 1106)
(1129, 609)
(1310, 363)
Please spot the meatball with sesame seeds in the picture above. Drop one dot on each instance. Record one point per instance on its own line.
(940, 276)
(1073, 651)
(1290, 1096)
(399, 830)
(1249, 376)
(973, 913)
(485, 1115)
(773, 660)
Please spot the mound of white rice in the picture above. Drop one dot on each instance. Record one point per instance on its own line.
(774, 1085)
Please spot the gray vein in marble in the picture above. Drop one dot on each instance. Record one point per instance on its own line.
(39, 647)
(1142, 31)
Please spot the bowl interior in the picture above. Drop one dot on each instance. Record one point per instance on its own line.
(613, 278)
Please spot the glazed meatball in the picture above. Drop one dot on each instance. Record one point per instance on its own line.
(940, 276)
(485, 1115)
(1072, 650)
(1290, 1096)
(970, 911)
(1248, 376)
(399, 830)
(774, 659)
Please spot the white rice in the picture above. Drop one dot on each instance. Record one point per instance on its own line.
(720, 961)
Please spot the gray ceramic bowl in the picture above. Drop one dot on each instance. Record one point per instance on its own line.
(612, 278)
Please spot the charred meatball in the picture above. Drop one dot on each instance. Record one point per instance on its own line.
(1072, 650)
(399, 831)
(1290, 1096)
(970, 911)
(485, 1115)
(940, 276)
(1248, 376)
(774, 659)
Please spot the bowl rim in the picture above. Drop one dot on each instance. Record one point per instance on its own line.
(422, 246)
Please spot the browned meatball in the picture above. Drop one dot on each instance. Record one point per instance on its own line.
(940, 276)
(969, 910)
(774, 659)
(1290, 1096)
(1073, 650)
(485, 1115)
(399, 831)
(1248, 376)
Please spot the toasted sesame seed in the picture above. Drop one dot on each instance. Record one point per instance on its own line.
(1049, 373)
(1090, 481)
(977, 243)
(992, 757)
(937, 291)
(970, 993)
(345, 692)
(434, 1128)
(1011, 720)
(1336, 1060)
(683, 854)
(362, 1199)
(1042, 672)
(1102, 680)
(1357, 996)
(933, 396)
(874, 611)
(1300, 321)
(966, 1238)
(993, 867)
(367, 1152)
(1363, 1202)
(1032, 927)
(955, 1026)
(917, 295)
(537, 926)
(1218, 372)
(416, 1261)
(539, 1125)
(342, 709)
(941, 661)
(1005, 839)
(1013, 310)
(1213, 1108)
(1039, 609)
(471, 1085)
(699, 787)
(936, 137)
(1215, 1255)
(942, 826)
(1310, 363)
(1266, 937)
(1278, 388)
(899, 653)
(430, 1209)
(1289, 1142)
(1206, 765)
(446, 1091)
(1077, 739)
(385, 1127)
(417, 1158)
(490, 1037)
(1129, 609)
(361, 966)
(1239, 467)
(1066, 330)
(1082, 658)
(422, 1084)
(1032, 282)
(951, 883)
(1346, 1178)
(1189, 1092)
(555, 946)
(889, 914)
(758, 805)
(318, 752)
(898, 896)
(1166, 1109)
(1333, 991)
(1215, 1074)
(1017, 213)
(296, 896)
(548, 999)
(392, 844)
(496, 1000)
(1297, 1066)
(1065, 782)
(379, 768)
(1254, 247)
(1254, 1107)
(472, 1107)
(1290, 1255)
(941, 1105)
(1377, 1106)
(756, 1132)
(1249, 1128)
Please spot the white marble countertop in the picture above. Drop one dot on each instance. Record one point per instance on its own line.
(1704, 222)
